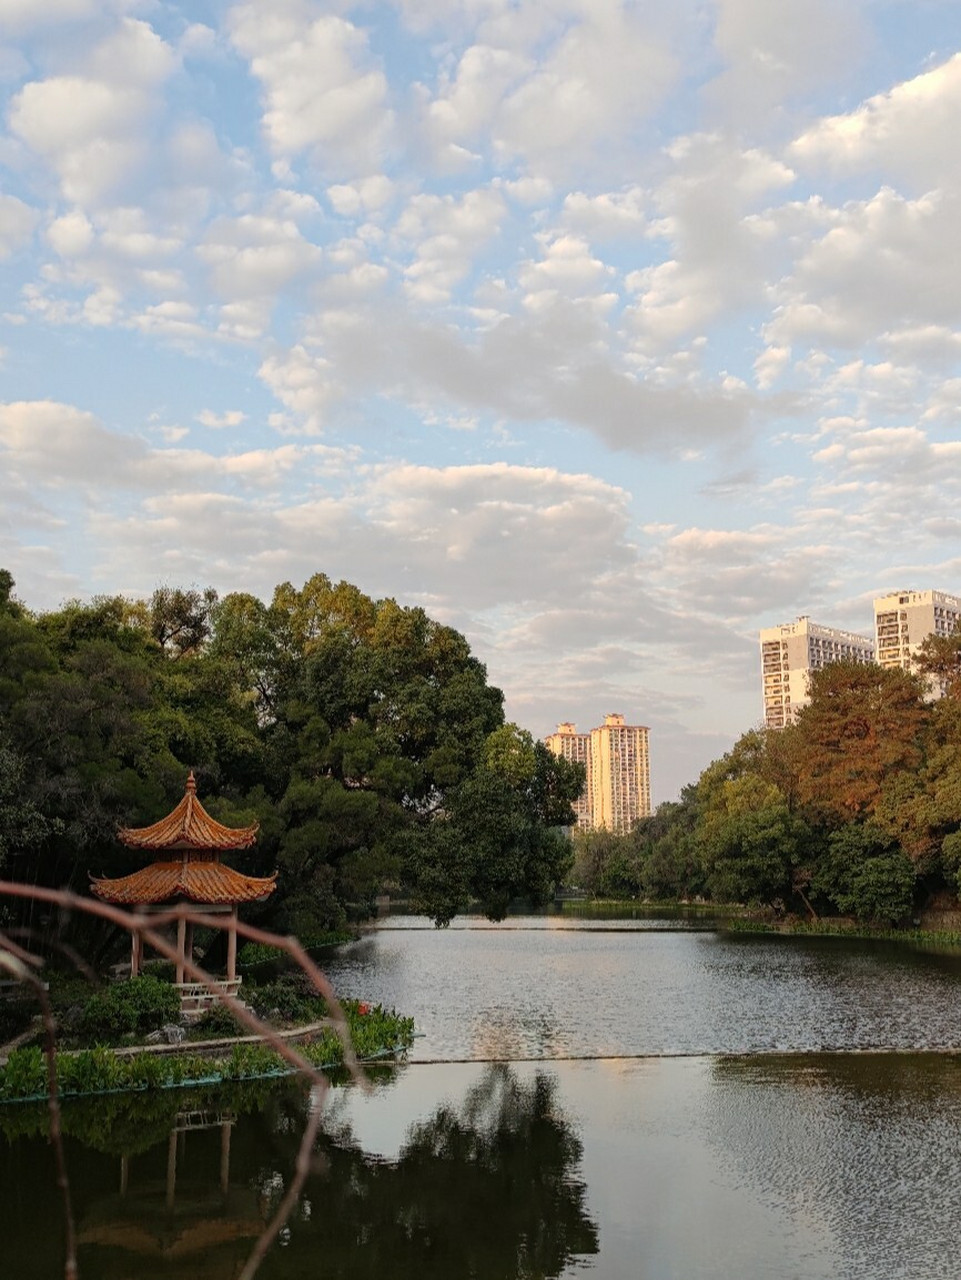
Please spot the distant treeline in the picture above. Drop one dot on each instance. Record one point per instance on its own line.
(855, 809)
(362, 735)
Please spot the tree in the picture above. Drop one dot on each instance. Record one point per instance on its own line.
(179, 620)
(606, 864)
(671, 867)
(939, 663)
(23, 828)
(750, 841)
(865, 874)
(498, 835)
(863, 724)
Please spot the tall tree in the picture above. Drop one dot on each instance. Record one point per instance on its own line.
(863, 723)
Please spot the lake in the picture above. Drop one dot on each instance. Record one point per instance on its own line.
(633, 1098)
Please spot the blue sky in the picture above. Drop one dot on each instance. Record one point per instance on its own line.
(607, 332)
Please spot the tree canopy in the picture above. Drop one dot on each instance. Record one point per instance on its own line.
(362, 734)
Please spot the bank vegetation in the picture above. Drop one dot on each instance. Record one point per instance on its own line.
(853, 810)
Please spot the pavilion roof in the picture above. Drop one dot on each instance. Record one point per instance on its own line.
(188, 826)
(203, 881)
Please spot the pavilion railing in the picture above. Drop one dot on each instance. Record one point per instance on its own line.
(197, 997)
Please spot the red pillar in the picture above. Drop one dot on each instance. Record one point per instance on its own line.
(232, 945)
(181, 947)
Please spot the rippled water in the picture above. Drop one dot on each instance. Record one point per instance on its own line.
(550, 987)
(742, 1157)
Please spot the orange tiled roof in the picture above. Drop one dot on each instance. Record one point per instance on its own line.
(189, 826)
(202, 881)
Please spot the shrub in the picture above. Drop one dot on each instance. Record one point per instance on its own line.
(91, 1071)
(219, 1021)
(24, 1075)
(292, 996)
(129, 1008)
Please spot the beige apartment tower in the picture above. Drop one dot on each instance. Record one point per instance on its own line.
(904, 619)
(790, 652)
(571, 745)
(617, 757)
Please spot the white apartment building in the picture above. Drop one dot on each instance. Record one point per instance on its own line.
(571, 745)
(904, 619)
(617, 757)
(790, 652)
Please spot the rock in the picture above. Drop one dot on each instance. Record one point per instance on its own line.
(155, 1037)
(172, 1034)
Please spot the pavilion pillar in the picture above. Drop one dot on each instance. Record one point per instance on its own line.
(171, 1168)
(232, 944)
(225, 1128)
(181, 947)
(136, 952)
(189, 941)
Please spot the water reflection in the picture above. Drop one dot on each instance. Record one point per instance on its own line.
(486, 1186)
(185, 1225)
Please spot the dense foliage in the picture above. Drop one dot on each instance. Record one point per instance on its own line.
(362, 735)
(855, 809)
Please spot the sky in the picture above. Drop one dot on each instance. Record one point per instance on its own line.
(606, 332)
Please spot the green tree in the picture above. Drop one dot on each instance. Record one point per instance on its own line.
(672, 867)
(865, 874)
(498, 836)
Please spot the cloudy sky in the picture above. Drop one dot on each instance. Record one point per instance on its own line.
(607, 332)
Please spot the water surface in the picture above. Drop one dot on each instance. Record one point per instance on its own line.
(554, 987)
(808, 1128)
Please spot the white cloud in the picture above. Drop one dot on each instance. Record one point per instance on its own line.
(740, 574)
(17, 221)
(72, 234)
(907, 132)
(305, 384)
(89, 125)
(64, 446)
(229, 418)
(887, 264)
(604, 74)
(901, 455)
(567, 267)
(364, 196)
(252, 259)
(610, 216)
(23, 15)
(126, 232)
(447, 232)
(324, 95)
(774, 51)
(722, 251)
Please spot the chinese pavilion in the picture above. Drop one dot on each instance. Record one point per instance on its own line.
(189, 843)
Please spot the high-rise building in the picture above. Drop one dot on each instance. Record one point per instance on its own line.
(571, 745)
(620, 774)
(617, 758)
(790, 652)
(904, 619)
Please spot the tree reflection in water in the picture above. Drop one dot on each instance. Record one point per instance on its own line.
(488, 1189)
(180, 1187)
